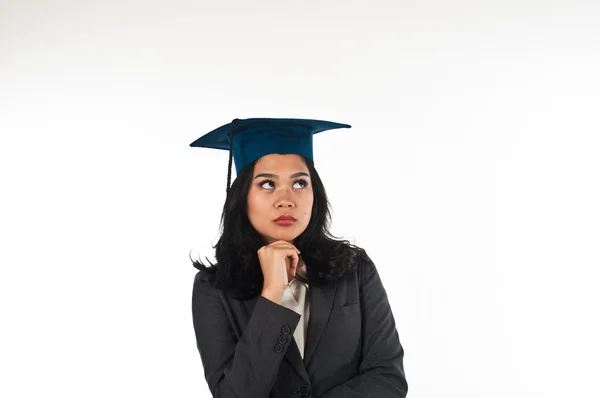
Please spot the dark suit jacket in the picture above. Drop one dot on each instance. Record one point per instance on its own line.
(352, 346)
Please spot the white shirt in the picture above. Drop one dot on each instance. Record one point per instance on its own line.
(295, 297)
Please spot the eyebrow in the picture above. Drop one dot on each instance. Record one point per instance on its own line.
(300, 173)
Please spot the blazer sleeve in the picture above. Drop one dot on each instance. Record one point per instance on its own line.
(381, 372)
(246, 368)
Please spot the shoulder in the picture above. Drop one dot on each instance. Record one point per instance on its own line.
(208, 275)
(365, 267)
(206, 272)
(357, 262)
(204, 284)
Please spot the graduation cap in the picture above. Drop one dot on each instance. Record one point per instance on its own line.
(250, 139)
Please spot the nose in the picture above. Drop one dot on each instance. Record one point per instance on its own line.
(285, 203)
(284, 199)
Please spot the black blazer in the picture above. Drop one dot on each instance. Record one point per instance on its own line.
(352, 345)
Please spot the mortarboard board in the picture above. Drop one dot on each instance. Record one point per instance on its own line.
(257, 137)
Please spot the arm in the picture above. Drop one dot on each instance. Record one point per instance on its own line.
(381, 372)
(246, 368)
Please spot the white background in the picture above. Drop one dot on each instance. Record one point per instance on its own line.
(470, 176)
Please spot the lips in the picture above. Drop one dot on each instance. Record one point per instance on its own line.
(285, 218)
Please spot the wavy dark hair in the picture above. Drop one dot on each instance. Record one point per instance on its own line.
(237, 270)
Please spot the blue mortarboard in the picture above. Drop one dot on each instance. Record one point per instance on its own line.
(257, 137)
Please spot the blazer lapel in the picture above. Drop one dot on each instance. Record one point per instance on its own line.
(292, 355)
(321, 304)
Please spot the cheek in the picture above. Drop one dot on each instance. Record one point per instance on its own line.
(255, 205)
(308, 207)
(251, 204)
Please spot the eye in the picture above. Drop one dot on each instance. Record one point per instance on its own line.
(301, 181)
(264, 182)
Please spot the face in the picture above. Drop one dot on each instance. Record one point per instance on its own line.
(281, 185)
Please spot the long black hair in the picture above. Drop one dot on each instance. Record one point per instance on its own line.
(237, 270)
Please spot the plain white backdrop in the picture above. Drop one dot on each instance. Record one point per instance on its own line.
(470, 175)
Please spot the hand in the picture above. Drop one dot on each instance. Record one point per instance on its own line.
(278, 261)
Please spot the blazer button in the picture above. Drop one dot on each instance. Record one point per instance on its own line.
(279, 348)
(282, 339)
(304, 392)
(286, 330)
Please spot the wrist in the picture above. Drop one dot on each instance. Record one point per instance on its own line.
(273, 294)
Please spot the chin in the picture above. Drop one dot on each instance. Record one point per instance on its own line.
(283, 235)
(289, 237)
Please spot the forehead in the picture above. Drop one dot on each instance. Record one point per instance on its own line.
(275, 162)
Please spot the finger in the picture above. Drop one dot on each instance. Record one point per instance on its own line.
(289, 267)
(295, 261)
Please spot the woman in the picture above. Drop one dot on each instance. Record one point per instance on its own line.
(287, 310)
